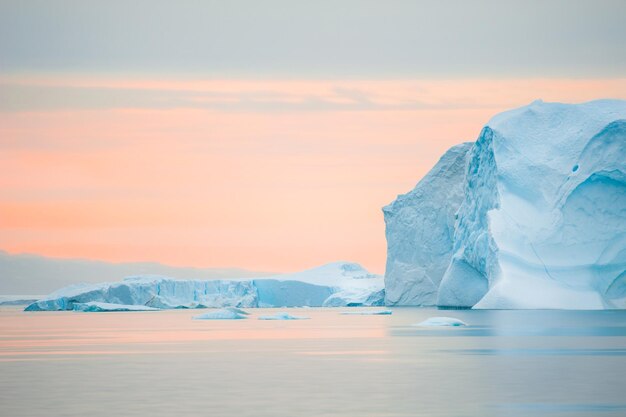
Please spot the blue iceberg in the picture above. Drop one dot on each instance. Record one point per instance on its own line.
(540, 221)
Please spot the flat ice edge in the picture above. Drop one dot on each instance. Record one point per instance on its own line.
(338, 284)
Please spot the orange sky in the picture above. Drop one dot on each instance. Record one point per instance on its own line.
(275, 175)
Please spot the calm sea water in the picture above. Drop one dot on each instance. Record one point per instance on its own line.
(506, 363)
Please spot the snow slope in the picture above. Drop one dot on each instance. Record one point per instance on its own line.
(347, 284)
(542, 221)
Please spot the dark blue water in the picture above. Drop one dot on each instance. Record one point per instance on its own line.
(506, 363)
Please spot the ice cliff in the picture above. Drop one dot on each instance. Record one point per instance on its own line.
(420, 229)
(336, 284)
(540, 219)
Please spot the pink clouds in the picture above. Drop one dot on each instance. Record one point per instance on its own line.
(276, 188)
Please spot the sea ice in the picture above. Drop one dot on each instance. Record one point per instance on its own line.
(223, 314)
(282, 316)
(442, 321)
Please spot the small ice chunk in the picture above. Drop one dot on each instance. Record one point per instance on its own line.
(96, 307)
(442, 321)
(224, 314)
(368, 312)
(237, 310)
(282, 316)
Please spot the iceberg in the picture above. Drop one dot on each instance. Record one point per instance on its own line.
(353, 284)
(223, 314)
(442, 321)
(282, 316)
(95, 307)
(153, 291)
(542, 218)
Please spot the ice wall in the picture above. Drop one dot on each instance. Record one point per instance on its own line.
(420, 231)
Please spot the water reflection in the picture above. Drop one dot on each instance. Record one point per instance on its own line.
(160, 364)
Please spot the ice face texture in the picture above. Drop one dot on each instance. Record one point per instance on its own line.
(542, 221)
(95, 307)
(420, 231)
(343, 283)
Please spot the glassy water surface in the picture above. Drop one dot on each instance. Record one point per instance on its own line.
(506, 363)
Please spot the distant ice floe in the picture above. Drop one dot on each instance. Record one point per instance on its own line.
(282, 316)
(16, 300)
(223, 314)
(368, 313)
(442, 321)
(335, 284)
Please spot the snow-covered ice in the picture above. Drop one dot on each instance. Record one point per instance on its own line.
(282, 316)
(222, 314)
(541, 222)
(442, 321)
(339, 283)
(95, 307)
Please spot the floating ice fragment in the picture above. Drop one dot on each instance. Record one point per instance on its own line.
(442, 321)
(237, 310)
(282, 316)
(225, 314)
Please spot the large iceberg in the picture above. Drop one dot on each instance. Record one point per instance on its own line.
(542, 220)
(336, 284)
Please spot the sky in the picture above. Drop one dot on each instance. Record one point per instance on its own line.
(263, 135)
